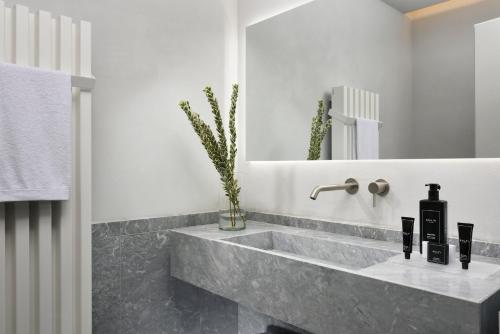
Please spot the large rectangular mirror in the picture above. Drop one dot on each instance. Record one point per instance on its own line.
(393, 79)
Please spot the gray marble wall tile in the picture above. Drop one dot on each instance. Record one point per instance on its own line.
(219, 315)
(133, 292)
(363, 231)
(167, 223)
(136, 255)
(106, 282)
(100, 231)
(481, 247)
(251, 322)
(489, 249)
(184, 316)
(135, 226)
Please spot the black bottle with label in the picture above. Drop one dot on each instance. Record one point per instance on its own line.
(433, 217)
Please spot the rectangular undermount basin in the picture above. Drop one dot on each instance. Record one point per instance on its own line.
(342, 254)
(329, 283)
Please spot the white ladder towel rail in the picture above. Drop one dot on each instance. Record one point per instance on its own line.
(45, 247)
(348, 104)
(84, 83)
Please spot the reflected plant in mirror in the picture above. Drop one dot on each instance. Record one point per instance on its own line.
(409, 79)
(222, 156)
(319, 129)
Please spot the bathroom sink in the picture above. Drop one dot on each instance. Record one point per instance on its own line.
(319, 281)
(342, 254)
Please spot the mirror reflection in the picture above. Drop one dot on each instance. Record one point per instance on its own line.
(397, 80)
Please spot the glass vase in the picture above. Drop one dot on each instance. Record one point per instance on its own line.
(232, 219)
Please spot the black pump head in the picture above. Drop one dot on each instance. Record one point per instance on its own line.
(433, 186)
(433, 190)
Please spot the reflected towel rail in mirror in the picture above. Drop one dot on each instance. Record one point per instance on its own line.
(349, 120)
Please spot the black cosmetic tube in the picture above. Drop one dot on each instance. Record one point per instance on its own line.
(408, 223)
(465, 241)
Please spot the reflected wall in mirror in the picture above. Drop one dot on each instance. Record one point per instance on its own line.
(399, 80)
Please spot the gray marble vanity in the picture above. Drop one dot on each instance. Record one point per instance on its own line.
(332, 283)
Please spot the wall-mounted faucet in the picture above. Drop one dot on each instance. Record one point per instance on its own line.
(380, 187)
(350, 185)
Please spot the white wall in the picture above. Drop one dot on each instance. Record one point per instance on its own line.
(470, 186)
(147, 56)
(487, 89)
(147, 161)
(443, 80)
(441, 124)
(292, 64)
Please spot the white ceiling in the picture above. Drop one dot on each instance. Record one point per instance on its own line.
(406, 6)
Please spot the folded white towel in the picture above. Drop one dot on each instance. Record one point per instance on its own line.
(35, 134)
(367, 139)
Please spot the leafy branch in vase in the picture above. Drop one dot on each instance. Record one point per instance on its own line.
(319, 129)
(222, 156)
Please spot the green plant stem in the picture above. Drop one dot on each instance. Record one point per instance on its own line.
(231, 214)
(222, 156)
(239, 213)
(319, 129)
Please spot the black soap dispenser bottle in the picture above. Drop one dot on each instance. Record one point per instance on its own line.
(433, 217)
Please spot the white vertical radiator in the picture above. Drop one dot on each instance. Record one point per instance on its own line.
(45, 247)
(348, 104)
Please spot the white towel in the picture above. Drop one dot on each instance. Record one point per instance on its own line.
(367, 139)
(35, 134)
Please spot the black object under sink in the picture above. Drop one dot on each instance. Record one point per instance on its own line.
(278, 330)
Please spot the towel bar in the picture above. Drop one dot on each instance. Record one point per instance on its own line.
(84, 83)
(348, 120)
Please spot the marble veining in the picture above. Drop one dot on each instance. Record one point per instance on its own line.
(334, 251)
(352, 229)
(251, 322)
(482, 248)
(319, 296)
(133, 291)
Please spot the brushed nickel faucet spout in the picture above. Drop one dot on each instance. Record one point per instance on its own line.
(351, 186)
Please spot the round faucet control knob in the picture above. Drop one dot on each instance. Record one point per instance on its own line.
(379, 187)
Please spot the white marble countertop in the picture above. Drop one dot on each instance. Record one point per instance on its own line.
(474, 285)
